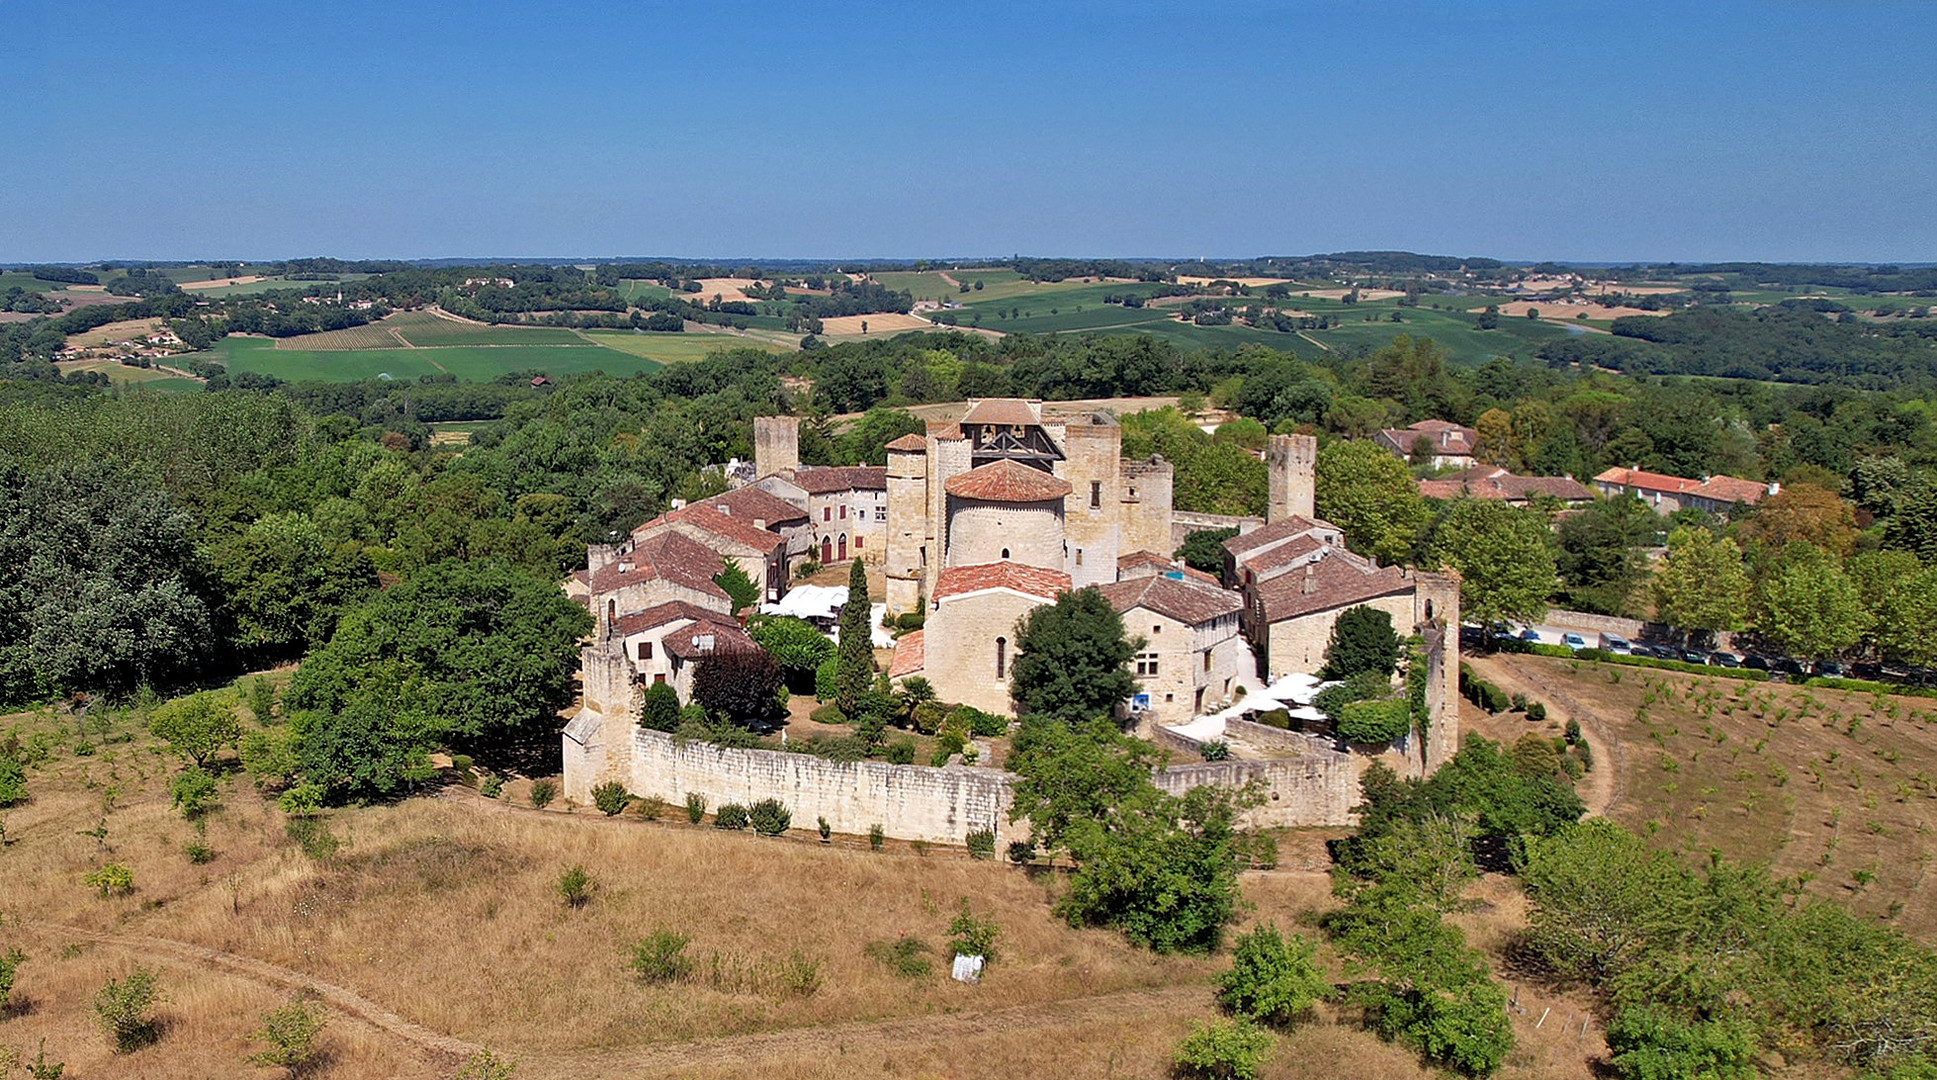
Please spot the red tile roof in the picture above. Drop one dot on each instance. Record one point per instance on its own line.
(939, 430)
(1190, 602)
(1721, 489)
(1003, 411)
(1291, 551)
(1280, 530)
(672, 611)
(1032, 580)
(667, 556)
(701, 640)
(1446, 437)
(1331, 582)
(911, 655)
(910, 444)
(1492, 482)
(755, 504)
(828, 479)
(735, 530)
(1141, 558)
(1004, 480)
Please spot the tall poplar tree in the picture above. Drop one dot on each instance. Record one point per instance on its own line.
(857, 649)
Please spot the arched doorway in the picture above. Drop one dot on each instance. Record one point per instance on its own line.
(843, 555)
(827, 550)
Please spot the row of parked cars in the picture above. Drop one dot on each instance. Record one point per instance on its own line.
(1615, 643)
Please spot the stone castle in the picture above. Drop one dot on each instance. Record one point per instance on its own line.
(976, 523)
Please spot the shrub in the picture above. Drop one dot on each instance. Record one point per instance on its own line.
(611, 798)
(695, 807)
(661, 958)
(485, 1065)
(42, 1069)
(981, 844)
(793, 643)
(1650, 1044)
(827, 680)
(906, 957)
(972, 936)
(827, 831)
(829, 713)
(1519, 703)
(900, 752)
(121, 1009)
(543, 791)
(13, 780)
(313, 835)
(1375, 721)
(1572, 732)
(1022, 852)
(876, 835)
(987, 725)
(1277, 718)
(193, 792)
(492, 787)
(198, 852)
(659, 711)
(769, 817)
(731, 816)
(1585, 753)
(575, 886)
(112, 878)
(1215, 750)
(262, 698)
(10, 962)
(291, 1034)
(652, 808)
(929, 716)
(1272, 979)
(1537, 712)
(1223, 1050)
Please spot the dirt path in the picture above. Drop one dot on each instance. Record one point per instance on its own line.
(340, 998)
(1606, 783)
(870, 1038)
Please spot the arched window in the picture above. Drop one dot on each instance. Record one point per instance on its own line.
(611, 610)
(1001, 658)
(1005, 553)
(1429, 611)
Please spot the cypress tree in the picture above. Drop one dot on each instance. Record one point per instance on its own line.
(857, 650)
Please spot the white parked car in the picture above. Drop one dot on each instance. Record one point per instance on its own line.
(1615, 643)
(1573, 641)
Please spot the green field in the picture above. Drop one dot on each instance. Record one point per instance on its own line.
(428, 331)
(672, 348)
(12, 278)
(480, 364)
(636, 289)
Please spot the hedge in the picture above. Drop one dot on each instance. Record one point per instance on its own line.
(1375, 721)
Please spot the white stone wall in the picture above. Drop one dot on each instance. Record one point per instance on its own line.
(1298, 645)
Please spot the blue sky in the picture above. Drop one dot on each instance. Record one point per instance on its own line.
(1583, 131)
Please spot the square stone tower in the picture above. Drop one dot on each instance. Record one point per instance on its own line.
(1292, 463)
(1092, 513)
(908, 532)
(776, 446)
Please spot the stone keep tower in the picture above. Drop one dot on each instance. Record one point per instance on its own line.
(1092, 512)
(1292, 462)
(908, 533)
(776, 446)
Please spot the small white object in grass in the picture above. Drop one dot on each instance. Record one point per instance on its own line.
(966, 969)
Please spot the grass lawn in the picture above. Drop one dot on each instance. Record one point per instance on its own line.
(118, 372)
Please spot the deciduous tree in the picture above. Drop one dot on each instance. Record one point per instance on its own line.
(1701, 585)
(1372, 496)
(1073, 659)
(1505, 558)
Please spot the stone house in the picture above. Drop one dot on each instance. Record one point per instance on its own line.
(1192, 655)
(1448, 445)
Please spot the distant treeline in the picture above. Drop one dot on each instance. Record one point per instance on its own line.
(1782, 343)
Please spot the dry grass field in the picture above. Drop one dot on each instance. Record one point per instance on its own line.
(879, 325)
(1831, 787)
(115, 331)
(1557, 311)
(218, 283)
(435, 928)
